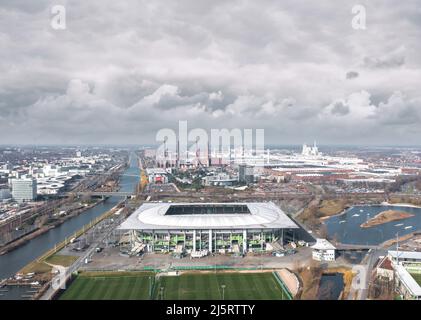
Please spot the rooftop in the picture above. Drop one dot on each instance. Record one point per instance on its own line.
(413, 255)
(323, 244)
(408, 281)
(151, 216)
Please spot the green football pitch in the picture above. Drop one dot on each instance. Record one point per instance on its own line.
(110, 286)
(417, 277)
(212, 286)
(206, 286)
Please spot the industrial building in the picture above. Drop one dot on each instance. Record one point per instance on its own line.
(24, 189)
(323, 250)
(220, 179)
(157, 175)
(207, 227)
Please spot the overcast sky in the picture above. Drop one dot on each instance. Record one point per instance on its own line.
(122, 70)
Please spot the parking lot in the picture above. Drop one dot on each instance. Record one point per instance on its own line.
(111, 259)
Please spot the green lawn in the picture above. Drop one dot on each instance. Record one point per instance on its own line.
(417, 277)
(63, 260)
(191, 286)
(116, 286)
(208, 286)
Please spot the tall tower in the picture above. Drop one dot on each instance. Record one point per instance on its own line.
(209, 155)
(199, 163)
(177, 151)
(165, 153)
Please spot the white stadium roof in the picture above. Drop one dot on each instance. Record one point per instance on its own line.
(152, 216)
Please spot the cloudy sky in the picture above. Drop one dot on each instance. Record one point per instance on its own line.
(122, 70)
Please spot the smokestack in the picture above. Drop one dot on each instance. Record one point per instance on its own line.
(177, 160)
(209, 155)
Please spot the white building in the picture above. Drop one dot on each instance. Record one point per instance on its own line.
(405, 256)
(220, 179)
(310, 151)
(323, 250)
(24, 189)
(215, 227)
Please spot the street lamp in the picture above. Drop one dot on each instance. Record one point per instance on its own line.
(223, 291)
(150, 287)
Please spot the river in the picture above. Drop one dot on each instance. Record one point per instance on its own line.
(12, 262)
(345, 228)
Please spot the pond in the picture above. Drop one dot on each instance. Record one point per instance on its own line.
(345, 228)
(330, 287)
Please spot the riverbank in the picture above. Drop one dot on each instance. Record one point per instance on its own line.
(387, 244)
(41, 267)
(349, 207)
(407, 205)
(14, 261)
(356, 225)
(37, 232)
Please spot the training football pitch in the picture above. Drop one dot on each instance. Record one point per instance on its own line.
(417, 277)
(215, 286)
(110, 286)
(188, 286)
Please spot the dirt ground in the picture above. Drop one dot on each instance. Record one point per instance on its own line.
(110, 259)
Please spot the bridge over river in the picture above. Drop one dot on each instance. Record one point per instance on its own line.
(105, 194)
(344, 246)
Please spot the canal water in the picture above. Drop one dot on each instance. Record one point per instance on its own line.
(345, 228)
(13, 261)
(331, 286)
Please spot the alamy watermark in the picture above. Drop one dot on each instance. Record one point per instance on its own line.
(359, 21)
(223, 144)
(58, 17)
(59, 280)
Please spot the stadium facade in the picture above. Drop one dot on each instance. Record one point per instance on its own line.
(213, 227)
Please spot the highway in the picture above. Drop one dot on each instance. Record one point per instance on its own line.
(104, 229)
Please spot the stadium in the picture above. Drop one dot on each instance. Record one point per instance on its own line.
(202, 228)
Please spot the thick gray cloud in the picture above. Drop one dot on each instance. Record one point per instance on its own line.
(123, 70)
(340, 109)
(352, 74)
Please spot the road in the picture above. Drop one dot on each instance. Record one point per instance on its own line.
(361, 281)
(104, 229)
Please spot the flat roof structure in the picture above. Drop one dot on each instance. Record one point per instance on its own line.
(406, 255)
(323, 244)
(408, 281)
(203, 216)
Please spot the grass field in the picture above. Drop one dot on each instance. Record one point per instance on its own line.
(105, 286)
(206, 286)
(417, 277)
(62, 260)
